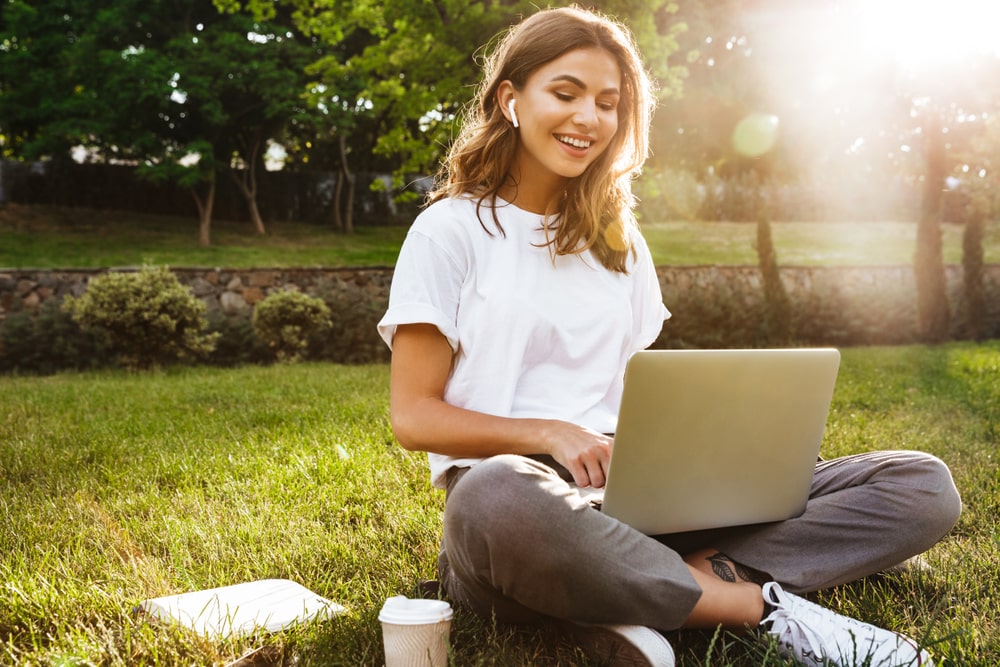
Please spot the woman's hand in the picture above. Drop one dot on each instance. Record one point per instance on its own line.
(582, 451)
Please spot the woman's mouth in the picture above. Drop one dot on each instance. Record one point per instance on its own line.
(574, 142)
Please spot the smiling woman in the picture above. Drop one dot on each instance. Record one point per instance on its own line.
(519, 295)
(568, 112)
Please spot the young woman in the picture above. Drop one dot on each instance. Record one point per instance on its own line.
(519, 295)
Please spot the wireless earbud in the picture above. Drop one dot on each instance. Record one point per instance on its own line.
(513, 114)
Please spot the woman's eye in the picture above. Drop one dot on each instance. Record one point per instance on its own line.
(565, 97)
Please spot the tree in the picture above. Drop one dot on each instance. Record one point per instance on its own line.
(778, 306)
(178, 88)
(37, 47)
(954, 109)
(188, 92)
(980, 187)
(398, 72)
(932, 293)
(57, 57)
(236, 83)
(972, 268)
(257, 69)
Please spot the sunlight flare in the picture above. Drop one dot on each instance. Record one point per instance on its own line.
(919, 34)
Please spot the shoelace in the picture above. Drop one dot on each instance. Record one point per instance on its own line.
(795, 630)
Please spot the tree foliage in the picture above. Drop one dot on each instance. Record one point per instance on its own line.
(190, 88)
(194, 89)
(180, 89)
(397, 73)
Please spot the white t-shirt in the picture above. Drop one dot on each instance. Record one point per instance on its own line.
(532, 337)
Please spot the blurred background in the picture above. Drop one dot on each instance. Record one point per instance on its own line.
(866, 131)
(842, 110)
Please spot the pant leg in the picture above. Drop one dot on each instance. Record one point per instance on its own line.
(521, 545)
(866, 513)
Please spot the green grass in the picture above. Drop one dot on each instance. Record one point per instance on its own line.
(803, 243)
(115, 487)
(48, 237)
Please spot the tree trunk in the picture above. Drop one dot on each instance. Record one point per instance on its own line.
(932, 296)
(779, 324)
(338, 220)
(205, 213)
(247, 183)
(258, 222)
(972, 270)
(349, 181)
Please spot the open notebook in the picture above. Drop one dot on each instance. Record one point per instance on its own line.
(267, 605)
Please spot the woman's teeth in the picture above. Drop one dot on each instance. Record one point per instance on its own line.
(575, 143)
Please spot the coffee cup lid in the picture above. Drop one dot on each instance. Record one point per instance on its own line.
(401, 610)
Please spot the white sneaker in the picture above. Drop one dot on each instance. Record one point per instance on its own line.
(624, 645)
(820, 637)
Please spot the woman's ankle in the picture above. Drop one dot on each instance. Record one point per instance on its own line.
(733, 605)
(715, 563)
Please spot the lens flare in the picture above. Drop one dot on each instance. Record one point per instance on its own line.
(920, 34)
(755, 135)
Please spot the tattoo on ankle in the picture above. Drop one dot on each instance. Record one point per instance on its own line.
(727, 569)
(749, 574)
(721, 566)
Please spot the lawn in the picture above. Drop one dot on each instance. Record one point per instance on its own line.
(49, 237)
(803, 243)
(116, 486)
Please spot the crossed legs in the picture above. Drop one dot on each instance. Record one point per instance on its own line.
(522, 545)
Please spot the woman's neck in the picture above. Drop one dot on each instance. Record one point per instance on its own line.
(535, 195)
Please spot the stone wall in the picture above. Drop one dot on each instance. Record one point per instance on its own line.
(722, 306)
(712, 305)
(226, 292)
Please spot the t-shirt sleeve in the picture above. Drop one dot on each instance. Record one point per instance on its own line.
(426, 287)
(647, 298)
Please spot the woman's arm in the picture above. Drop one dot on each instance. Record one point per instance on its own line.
(423, 421)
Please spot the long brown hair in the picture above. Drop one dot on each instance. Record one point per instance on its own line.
(596, 211)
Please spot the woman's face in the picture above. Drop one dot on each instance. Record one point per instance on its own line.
(568, 114)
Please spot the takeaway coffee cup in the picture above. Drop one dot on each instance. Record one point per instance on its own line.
(415, 632)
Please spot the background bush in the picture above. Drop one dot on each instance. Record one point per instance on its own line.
(237, 343)
(49, 341)
(147, 318)
(290, 323)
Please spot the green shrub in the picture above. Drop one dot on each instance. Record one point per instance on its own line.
(352, 338)
(238, 344)
(147, 317)
(47, 342)
(288, 322)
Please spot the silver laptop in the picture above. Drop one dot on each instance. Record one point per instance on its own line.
(713, 438)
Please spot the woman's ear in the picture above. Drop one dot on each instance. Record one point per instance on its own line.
(507, 102)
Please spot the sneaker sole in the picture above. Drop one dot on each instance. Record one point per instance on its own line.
(623, 645)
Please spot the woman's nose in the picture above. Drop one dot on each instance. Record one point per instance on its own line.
(586, 114)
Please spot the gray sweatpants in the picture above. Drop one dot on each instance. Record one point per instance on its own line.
(521, 545)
